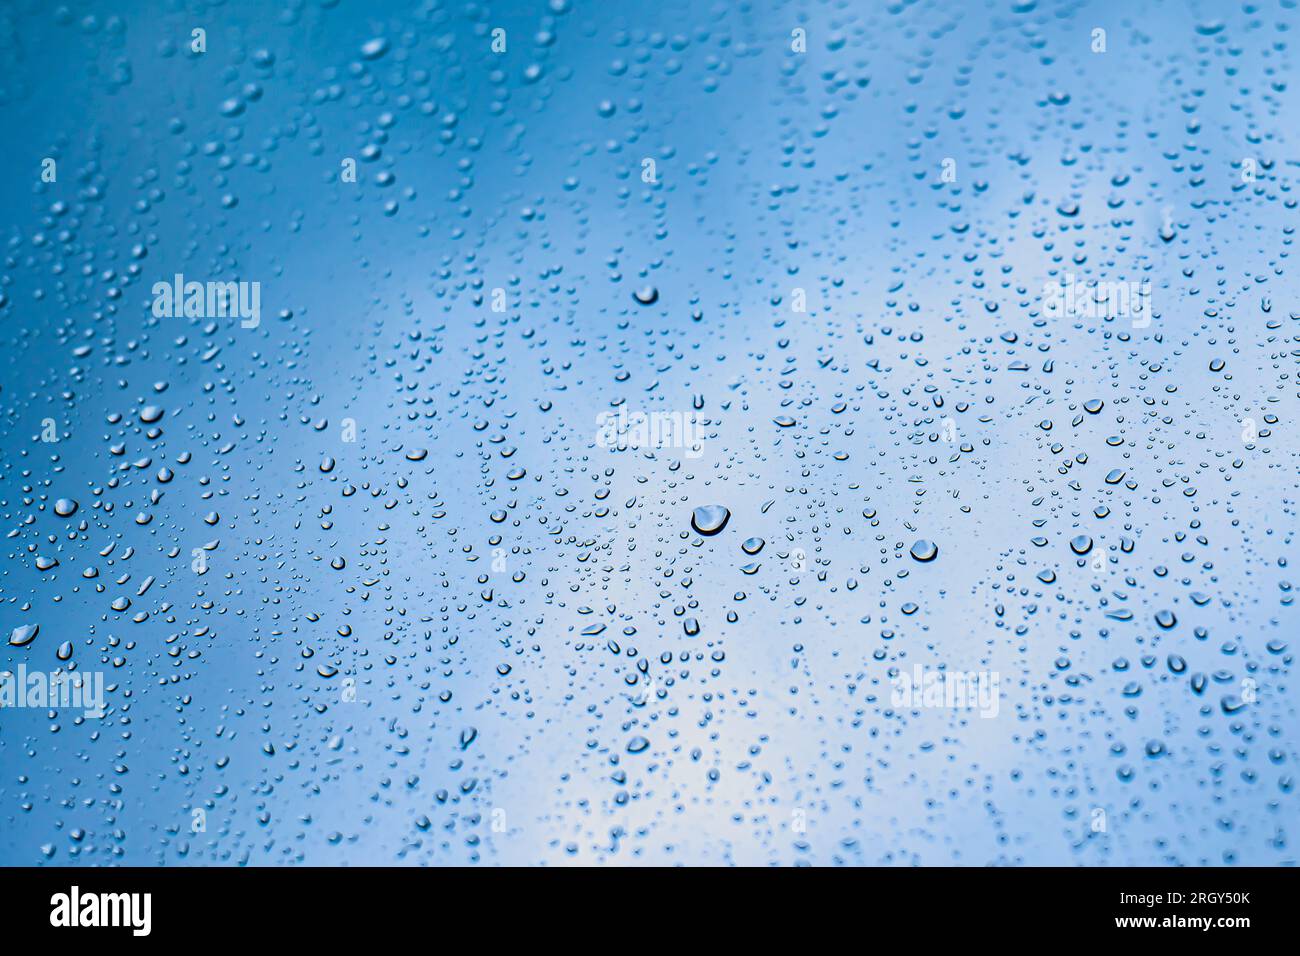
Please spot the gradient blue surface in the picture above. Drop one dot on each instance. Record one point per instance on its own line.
(478, 634)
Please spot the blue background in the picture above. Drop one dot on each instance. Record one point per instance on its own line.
(499, 586)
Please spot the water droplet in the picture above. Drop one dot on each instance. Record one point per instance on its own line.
(710, 519)
(24, 634)
(923, 550)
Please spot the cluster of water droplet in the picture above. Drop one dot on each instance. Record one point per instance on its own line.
(368, 585)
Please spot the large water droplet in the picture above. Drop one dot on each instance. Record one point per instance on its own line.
(710, 519)
(924, 550)
(24, 634)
